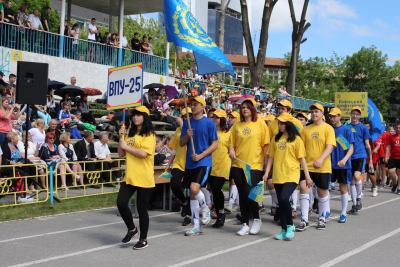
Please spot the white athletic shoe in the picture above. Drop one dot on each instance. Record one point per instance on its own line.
(25, 199)
(244, 231)
(206, 216)
(374, 192)
(255, 228)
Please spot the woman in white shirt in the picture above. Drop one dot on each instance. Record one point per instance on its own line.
(67, 153)
(33, 156)
(76, 34)
(38, 134)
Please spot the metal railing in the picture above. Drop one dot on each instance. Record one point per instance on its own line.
(47, 43)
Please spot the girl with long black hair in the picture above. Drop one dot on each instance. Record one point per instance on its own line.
(286, 153)
(138, 146)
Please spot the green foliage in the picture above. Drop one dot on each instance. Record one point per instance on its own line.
(227, 80)
(271, 84)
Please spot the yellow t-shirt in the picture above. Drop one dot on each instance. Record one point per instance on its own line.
(180, 156)
(274, 128)
(248, 139)
(140, 171)
(315, 139)
(220, 157)
(286, 159)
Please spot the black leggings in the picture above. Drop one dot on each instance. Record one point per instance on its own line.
(143, 195)
(176, 182)
(247, 205)
(283, 192)
(89, 117)
(216, 187)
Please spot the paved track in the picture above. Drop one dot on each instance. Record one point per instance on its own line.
(92, 239)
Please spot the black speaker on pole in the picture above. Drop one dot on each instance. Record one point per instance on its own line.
(32, 83)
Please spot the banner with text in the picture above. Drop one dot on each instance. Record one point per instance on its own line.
(346, 101)
(125, 87)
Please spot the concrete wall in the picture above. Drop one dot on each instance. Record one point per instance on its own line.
(61, 69)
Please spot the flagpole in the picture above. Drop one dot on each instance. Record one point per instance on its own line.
(184, 96)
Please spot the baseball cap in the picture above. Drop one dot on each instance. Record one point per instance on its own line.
(317, 106)
(285, 117)
(196, 86)
(285, 103)
(183, 112)
(263, 109)
(211, 110)
(140, 109)
(356, 108)
(269, 117)
(220, 113)
(198, 99)
(251, 100)
(302, 114)
(234, 114)
(335, 112)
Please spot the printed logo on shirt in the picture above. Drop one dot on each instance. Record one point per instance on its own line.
(131, 142)
(343, 142)
(282, 145)
(315, 135)
(246, 131)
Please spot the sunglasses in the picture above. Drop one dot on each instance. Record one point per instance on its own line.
(51, 138)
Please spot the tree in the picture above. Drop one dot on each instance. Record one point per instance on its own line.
(257, 67)
(224, 7)
(299, 28)
(366, 71)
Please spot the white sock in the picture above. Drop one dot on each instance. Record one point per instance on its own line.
(274, 198)
(353, 193)
(202, 201)
(194, 206)
(358, 188)
(304, 206)
(345, 200)
(311, 196)
(294, 200)
(234, 193)
(329, 202)
(323, 207)
(207, 196)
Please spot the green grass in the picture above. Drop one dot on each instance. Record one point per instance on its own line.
(70, 205)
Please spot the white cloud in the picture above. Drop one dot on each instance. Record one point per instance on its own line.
(383, 25)
(332, 8)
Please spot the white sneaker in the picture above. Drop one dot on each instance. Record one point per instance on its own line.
(255, 228)
(244, 231)
(374, 192)
(22, 200)
(206, 216)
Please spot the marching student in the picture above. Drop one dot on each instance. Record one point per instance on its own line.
(375, 158)
(303, 118)
(358, 159)
(178, 161)
(393, 158)
(341, 164)
(198, 164)
(138, 146)
(319, 140)
(233, 192)
(286, 152)
(383, 139)
(221, 166)
(249, 143)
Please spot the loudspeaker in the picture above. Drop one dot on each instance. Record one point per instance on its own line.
(31, 83)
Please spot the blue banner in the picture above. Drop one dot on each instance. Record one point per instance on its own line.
(206, 65)
(375, 117)
(185, 31)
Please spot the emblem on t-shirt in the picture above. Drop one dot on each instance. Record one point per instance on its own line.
(315, 135)
(282, 145)
(246, 131)
(131, 142)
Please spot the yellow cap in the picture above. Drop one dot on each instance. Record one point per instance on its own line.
(140, 109)
(183, 112)
(335, 112)
(217, 86)
(285, 117)
(356, 108)
(211, 110)
(211, 84)
(198, 99)
(302, 114)
(223, 91)
(228, 90)
(317, 106)
(270, 117)
(251, 100)
(285, 103)
(234, 114)
(263, 109)
(186, 82)
(196, 86)
(220, 113)
(177, 81)
(223, 95)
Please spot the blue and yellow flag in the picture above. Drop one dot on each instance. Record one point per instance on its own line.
(185, 31)
(376, 119)
(352, 128)
(343, 142)
(247, 170)
(257, 192)
(166, 175)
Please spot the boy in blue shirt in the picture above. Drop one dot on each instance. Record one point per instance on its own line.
(198, 164)
(341, 164)
(358, 159)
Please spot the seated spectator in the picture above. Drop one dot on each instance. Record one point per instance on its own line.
(6, 118)
(33, 156)
(102, 152)
(148, 98)
(166, 149)
(43, 114)
(53, 129)
(84, 111)
(38, 133)
(67, 122)
(158, 108)
(49, 153)
(158, 157)
(67, 153)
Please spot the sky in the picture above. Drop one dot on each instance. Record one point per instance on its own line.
(336, 26)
